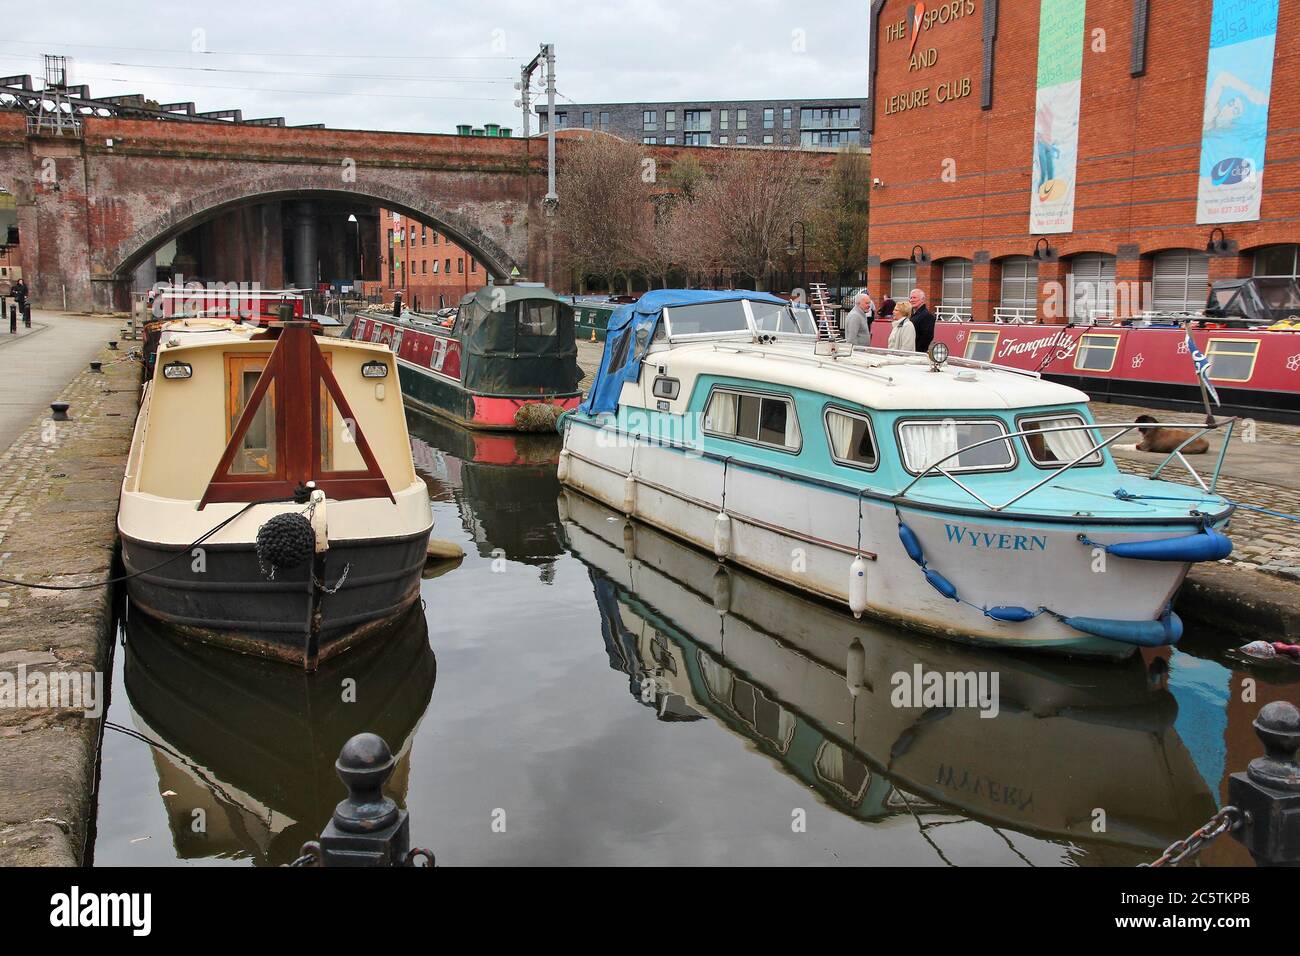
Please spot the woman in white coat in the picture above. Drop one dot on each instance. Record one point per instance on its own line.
(902, 336)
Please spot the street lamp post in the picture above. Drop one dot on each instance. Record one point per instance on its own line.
(802, 249)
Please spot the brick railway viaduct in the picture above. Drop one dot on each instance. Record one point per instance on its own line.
(91, 209)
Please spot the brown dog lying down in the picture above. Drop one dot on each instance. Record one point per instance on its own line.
(1164, 440)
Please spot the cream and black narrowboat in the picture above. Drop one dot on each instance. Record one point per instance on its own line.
(270, 503)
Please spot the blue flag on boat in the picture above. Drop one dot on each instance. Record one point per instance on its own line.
(1202, 366)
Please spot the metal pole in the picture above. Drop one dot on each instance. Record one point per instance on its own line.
(550, 122)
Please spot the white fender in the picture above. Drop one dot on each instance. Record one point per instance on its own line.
(722, 536)
(562, 469)
(318, 521)
(629, 495)
(858, 586)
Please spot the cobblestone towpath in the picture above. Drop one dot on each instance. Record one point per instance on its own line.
(59, 485)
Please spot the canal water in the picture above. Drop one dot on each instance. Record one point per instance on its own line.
(583, 690)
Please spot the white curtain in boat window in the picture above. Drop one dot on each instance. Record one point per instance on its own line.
(791, 427)
(1061, 447)
(924, 443)
(840, 428)
(721, 417)
(1067, 446)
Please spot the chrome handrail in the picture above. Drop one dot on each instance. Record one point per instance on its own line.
(1124, 428)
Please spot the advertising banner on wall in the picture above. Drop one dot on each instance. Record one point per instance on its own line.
(1234, 130)
(1056, 120)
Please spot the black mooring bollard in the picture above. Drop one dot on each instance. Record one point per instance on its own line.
(97, 366)
(1268, 793)
(368, 828)
(27, 314)
(60, 410)
(13, 319)
(112, 345)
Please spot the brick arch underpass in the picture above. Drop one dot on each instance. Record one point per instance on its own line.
(120, 260)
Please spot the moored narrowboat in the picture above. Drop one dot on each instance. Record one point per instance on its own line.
(1249, 331)
(270, 503)
(506, 359)
(952, 496)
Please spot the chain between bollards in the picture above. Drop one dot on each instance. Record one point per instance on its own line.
(1225, 821)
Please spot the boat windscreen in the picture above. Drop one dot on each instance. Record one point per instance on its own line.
(770, 317)
(707, 317)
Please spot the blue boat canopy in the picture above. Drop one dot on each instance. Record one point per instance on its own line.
(631, 330)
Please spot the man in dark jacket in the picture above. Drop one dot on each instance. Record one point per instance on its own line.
(922, 320)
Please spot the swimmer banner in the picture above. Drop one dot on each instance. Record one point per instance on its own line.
(1234, 129)
(1056, 118)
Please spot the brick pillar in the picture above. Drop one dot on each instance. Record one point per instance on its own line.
(1234, 265)
(877, 279)
(929, 279)
(1053, 301)
(1132, 282)
(986, 282)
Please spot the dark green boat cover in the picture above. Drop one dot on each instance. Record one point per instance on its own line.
(517, 340)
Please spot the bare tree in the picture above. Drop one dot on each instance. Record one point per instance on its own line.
(604, 200)
(742, 216)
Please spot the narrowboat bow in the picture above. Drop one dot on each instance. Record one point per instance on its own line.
(270, 503)
(955, 497)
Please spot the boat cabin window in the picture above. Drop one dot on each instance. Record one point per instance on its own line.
(770, 317)
(760, 419)
(256, 454)
(537, 318)
(1232, 360)
(925, 444)
(707, 318)
(850, 439)
(1056, 448)
(1096, 352)
(981, 346)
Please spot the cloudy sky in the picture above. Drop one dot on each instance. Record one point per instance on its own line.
(426, 66)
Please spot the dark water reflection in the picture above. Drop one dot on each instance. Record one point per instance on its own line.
(736, 711)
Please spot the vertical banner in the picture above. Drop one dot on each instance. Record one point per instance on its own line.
(1056, 118)
(1234, 128)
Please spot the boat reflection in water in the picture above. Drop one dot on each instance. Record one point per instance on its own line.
(252, 744)
(1073, 745)
(503, 484)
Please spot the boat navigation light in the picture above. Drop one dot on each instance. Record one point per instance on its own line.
(375, 369)
(938, 353)
(176, 370)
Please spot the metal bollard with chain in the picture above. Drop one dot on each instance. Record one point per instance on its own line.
(367, 828)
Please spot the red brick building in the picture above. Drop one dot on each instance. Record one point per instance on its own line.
(430, 270)
(956, 114)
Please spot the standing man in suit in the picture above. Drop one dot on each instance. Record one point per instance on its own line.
(922, 320)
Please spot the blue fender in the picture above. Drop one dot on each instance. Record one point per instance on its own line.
(1167, 631)
(1011, 614)
(1207, 545)
(910, 544)
(941, 584)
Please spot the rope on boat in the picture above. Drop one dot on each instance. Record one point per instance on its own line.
(183, 552)
(1123, 495)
